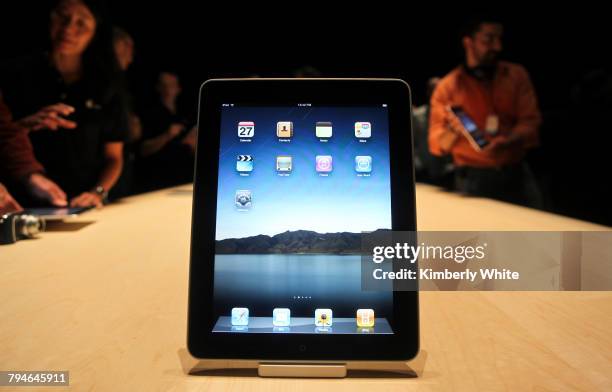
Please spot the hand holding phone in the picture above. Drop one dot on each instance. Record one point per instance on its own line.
(468, 128)
(453, 122)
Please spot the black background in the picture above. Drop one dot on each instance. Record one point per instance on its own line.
(558, 46)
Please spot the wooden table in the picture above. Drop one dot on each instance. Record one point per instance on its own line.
(108, 302)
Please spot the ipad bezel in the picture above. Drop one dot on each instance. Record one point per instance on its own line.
(201, 341)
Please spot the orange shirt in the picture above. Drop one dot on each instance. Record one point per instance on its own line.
(509, 96)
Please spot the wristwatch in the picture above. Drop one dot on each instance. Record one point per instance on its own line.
(100, 191)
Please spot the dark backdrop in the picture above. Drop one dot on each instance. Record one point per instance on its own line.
(566, 51)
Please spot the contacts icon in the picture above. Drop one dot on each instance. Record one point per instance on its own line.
(284, 129)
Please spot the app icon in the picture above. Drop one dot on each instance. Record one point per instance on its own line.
(323, 129)
(323, 317)
(243, 199)
(324, 163)
(240, 316)
(246, 129)
(283, 163)
(244, 163)
(281, 317)
(363, 130)
(365, 318)
(363, 164)
(284, 129)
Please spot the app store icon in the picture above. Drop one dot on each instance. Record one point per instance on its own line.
(363, 164)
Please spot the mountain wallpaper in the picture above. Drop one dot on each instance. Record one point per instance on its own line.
(300, 241)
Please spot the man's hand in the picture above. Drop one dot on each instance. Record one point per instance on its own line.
(155, 144)
(453, 123)
(447, 140)
(174, 130)
(49, 117)
(45, 189)
(87, 199)
(503, 142)
(7, 203)
(190, 139)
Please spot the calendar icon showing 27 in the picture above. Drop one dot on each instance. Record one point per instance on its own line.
(246, 129)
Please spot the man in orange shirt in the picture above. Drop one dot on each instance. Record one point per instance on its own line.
(500, 98)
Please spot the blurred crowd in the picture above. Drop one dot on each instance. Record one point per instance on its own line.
(72, 134)
(70, 131)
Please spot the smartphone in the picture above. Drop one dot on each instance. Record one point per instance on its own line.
(474, 135)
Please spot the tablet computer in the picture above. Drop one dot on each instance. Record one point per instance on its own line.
(56, 213)
(289, 172)
(471, 131)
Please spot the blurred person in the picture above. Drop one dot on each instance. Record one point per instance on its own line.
(68, 103)
(7, 202)
(124, 47)
(428, 167)
(18, 161)
(167, 149)
(500, 98)
(123, 44)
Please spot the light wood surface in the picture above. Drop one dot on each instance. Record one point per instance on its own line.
(108, 302)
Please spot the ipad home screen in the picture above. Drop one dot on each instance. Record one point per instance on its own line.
(297, 186)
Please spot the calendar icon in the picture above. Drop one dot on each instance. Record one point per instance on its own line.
(246, 129)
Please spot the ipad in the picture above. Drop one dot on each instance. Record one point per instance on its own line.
(289, 174)
(474, 135)
(56, 213)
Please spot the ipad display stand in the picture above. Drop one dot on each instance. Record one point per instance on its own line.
(320, 370)
(305, 369)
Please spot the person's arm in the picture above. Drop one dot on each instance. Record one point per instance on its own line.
(190, 139)
(529, 117)
(134, 128)
(113, 154)
(45, 189)
(155, 144)
(7, 202)
(442, 135)
(20, 164)
(49, 117)
(525, 132)
(18, 160)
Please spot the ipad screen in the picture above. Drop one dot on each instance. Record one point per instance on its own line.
(297, 185)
